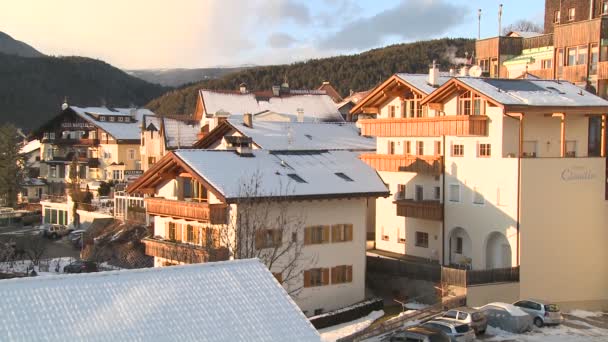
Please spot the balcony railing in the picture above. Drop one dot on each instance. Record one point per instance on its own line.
(428, 210)
(196, 211)
(602, 70)
(84, 142)
(456, 125)
(432, 165)
(575, 73)
(183, 252)
(546, 74)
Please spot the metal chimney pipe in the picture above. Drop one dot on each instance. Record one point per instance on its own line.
(499, 19)
(479, 24)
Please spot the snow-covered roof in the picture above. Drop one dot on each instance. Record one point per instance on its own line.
(179, 133)
(152, 120)
(531, 92)
(524, 34)
(31, 146)
(421, 81)
(273, 135)
(218, 301)
(318, 106)
(119, 130)
(317, 173)
(510, 308)
(33, 182)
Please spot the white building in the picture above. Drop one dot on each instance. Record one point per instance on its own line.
(495, 174)
(325, 195)
(189, 303)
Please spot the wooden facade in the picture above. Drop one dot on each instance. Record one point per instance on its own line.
(575, 73)
(432, 165)
(428, 210)
(183, 252)
(492, 47)
(577, 33)
(194, 211)
(537, 42)
(542, 73)
(457, 125)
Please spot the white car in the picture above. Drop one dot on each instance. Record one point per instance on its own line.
(473, 317)
(458, 332)
(542, 312)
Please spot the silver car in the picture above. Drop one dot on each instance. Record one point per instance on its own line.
(458, 332)
(473, 317)
(542, 312)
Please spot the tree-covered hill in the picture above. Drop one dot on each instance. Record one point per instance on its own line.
(358, 72)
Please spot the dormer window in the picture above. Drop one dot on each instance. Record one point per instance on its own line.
(120, 118)
(464, 103)
(127, 119)
(102, 118)
(111, 119)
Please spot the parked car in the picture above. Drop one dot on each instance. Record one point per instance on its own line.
(81, 266)
(473, 317)
(75, 237)
(419, 334)
(458, 332)
(55, 231)
(507, 317)
(542, 312)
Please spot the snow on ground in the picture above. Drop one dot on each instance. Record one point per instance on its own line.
(559, 333)
(338, 331)
(416, 306)
(584, 314)
(46, 266)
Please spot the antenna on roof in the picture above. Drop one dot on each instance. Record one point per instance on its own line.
(479, 24)
(500, 18)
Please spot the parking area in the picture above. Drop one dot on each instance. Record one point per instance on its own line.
(53, 248)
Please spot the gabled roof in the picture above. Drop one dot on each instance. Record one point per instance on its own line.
(523, 93)
(118, 130)
(421, 81)
(331, 91)
(180, 133)
(218, 301)
(293, 136)
(31, 146)
(317, 106)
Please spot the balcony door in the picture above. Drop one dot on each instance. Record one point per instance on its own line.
(419, 193)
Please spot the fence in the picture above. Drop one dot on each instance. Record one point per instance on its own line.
(404, 268)
(347, 314)
(464, 278)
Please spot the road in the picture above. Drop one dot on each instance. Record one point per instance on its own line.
(54, 248)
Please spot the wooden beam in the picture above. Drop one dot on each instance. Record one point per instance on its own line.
(373, 110)
(436, 106)
(603, 138)
(562, 125)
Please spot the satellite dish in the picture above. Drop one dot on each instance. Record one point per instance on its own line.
(475, 71)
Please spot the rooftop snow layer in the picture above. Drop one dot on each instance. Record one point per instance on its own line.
(219, 301)
(227, 172)
(320, 107)
(421, 81)
(30, 146)
(533, 92)
(179, 133)
(119, 130)
(273, 135)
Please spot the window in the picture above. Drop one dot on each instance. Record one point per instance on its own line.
(151, 161)
(560, 62)
(595, 58)
(450, 314)
(400, 191)
(92, 134)
(316, 277)
(571, 148)
(341, 232)
(131, 154)
(391, 111)
(571, 52)
(53, 171)
(457, 150)
(111, 118)
(437, 148)
(437, 193)
(316, 235)
(485, 150)
(120, 119)
(127, 119)
(344, 176)
(420, 148)
(458, 249)
(605, 7)
(117, 174)
(172, 231)
(268, 238)
(296, 178)
(104, 136)
(383, 235)
(464, 103)
(454, 193)
(571, 13)
(478, 105)
(419, 193)
(484, 64)
(545, 64)
(414, 107)
(478, 197)
(137, 165)
(582, 55)
(190, 234)
(342, 274)
(422, 239)
(407, 147)
(556, 16)
(102, 118)
(391, 147)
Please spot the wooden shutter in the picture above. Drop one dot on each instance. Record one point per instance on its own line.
(335, 231)
(216, 238)
(306, 278)
(204, 236)
(334, 275)
(348, 232)
(325, 278)
(277, 237)
(307, 235)
(349, 274)
(167, 230)
(178, 232)
(259, 239)
(325, 234)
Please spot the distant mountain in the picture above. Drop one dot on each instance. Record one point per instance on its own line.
(32, 89)
(10, 46)
(357, 72)
(179, 77)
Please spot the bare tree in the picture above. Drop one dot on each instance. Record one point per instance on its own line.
(34, 247)
(523, 25)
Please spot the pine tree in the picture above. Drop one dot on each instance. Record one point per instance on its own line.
(11, 165)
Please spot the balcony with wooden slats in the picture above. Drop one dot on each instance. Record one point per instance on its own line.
(575, 73)
(183, 252)
(428, 210)
(194, 211)
(602, 70)
(455, 125)
(431, 165)
(546, 74)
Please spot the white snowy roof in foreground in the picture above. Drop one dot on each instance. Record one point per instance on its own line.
(318, 106)
(421, 81)
(531, 92)
(320, 173)
(220, 301)
(274, 135)
(119, 130)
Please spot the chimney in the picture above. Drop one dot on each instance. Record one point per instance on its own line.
(243, 88)
(464, 71)
(276, 90)
(434, 74)
(248, 120)
(452, 72)
(133, 113)
(300, 114)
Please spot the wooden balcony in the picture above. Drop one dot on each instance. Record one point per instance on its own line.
(546, 74)
(538, 41)
(193, 211)
(80, 142)
(456, 125)
(428, 210)
(183, 252)
(431, 165)
(575, 73)
(602, 70)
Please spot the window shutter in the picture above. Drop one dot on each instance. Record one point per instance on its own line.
(167, 230)
(334, 233)
(349, 274)
(259, 239)
(277, 237)
(178, 232)
(348, 232)
(307, 235)
(216, 238)
(306, 278)
(325, 234)
(334, 275)
(204, 236)
(325, 276)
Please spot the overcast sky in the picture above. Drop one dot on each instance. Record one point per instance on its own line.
(136, 34)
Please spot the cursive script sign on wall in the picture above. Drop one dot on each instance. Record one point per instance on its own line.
(577, 173)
